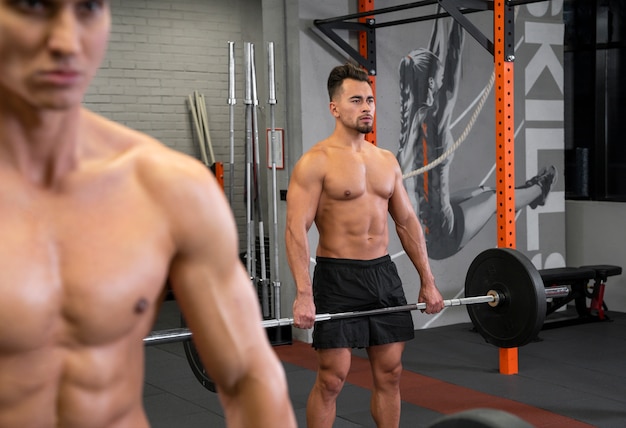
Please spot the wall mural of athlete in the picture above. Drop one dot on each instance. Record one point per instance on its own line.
(429, 82)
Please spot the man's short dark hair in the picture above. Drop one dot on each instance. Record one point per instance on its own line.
(343, 72)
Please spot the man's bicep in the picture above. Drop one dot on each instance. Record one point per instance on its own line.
(205, 230)
(205, 238)
(215, 295)
(303, 195)
(400, 207)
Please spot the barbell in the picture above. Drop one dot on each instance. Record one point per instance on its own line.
(183, 333)
(503, 278)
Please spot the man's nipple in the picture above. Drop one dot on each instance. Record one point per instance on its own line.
(141, 305)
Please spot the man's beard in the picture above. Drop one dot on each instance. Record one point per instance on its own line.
(364, 129)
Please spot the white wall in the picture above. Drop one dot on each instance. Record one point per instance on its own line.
(596, 235)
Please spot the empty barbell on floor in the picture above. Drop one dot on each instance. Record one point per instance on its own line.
(503, 278)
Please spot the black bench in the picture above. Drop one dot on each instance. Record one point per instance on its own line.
(585, 282)
(596, 292)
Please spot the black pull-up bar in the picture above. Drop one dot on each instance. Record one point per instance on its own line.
(453, 8)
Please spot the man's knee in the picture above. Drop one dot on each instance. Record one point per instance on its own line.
(388, 376)
(330, 382)
(386, 364)
(334, 365)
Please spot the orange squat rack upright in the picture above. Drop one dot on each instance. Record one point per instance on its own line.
(505, 148)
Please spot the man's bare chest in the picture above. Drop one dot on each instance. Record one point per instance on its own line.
(75, 269)
(350, 180)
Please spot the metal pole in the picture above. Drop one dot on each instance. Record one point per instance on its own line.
(382, 311)
(257, 186)
(273, 152)
(231, 113)
(167, 336)
(250, 251)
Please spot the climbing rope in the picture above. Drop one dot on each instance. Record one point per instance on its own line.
(468, 128)
(462, 137)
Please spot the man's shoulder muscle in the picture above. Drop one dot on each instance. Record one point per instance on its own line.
(152, 159)
(312, 165)
(171, 178)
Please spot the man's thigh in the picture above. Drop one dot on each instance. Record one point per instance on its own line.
(334, 362)
(386, 358)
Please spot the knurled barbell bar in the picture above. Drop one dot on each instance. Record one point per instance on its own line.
(501, 277)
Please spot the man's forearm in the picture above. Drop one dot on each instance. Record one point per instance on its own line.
(298, 256)
(412, 240)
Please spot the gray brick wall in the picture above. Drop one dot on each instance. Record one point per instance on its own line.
(160, 51)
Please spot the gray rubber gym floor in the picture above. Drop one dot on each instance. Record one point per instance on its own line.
(576, 371)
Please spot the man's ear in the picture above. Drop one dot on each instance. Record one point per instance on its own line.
(333, 109)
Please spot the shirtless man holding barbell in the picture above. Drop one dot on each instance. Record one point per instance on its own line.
(349, 187)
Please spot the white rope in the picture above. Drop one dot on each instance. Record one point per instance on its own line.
(462, 137)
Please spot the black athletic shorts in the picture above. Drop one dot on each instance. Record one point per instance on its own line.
(342, 285)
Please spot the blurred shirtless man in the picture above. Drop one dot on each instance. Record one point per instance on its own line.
(349, 187)
(92, 228)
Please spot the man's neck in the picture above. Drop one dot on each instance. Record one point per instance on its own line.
(42, 146)
(349, 137)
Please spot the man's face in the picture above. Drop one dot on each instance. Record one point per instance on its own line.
(354, 105)
(51, 49)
